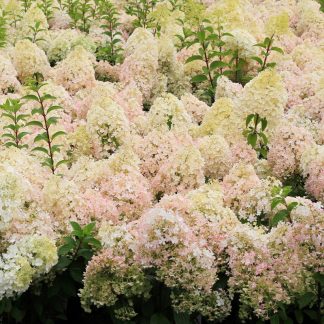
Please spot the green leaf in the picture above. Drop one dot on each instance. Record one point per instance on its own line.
(264, 138)
(22, 134)
(66, 249)
(306, 299)
(12, 127)
(77, 230)
(277, 49)
(218, 64)
(87, 230)
(56, 148)
(199, 78)
(9, 116)
(51, 108)
(260, 45)
(59, 133)
(201, 36)
(85, 253)
(264, 123)
(276, 201)
(275, 190)
(31, 97)
(22, 117)
(69, 240)
(63, 263)
(52, 121)
(37, 111)
(319, 277)
(257, 59)
(77, 274)
(35, 123)
(212, 37)
(286, 190)
(252, 139)
(281, 215)
(41, 137)
(48, 162)
(9, 136)
(194, 58)
(40, 149)
(292, 206)
(61, 162)
(271, 65)
(248, 119)
(92, 241)
(47, 96)
(267, 41)
(8, 144)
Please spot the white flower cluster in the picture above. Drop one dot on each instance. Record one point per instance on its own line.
(23, 261)
(108, 127)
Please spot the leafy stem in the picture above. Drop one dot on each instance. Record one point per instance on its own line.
(35, 86)
(11, 110)
(111, 51)
(35, 31)
(279, 198)
(80, 243)
(267, 47)
(43, 113)
(267, 53)
(141, 9)
(254, 133)
(210, 53)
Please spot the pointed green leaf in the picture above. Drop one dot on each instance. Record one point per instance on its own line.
(35, 123)
(257, 59)
(9, 116)
(22, 134)
(277, 49)
(41, 137)
(51, 108)
(61, 162)
(9, 136)
(30, 97)
(218, 64)
(47, 96)
(194, 58)
(199, 78)
(252, 139)
(40, 149)
(276, 201)
(22, 117)
(37, 111)
(248, 119)
(52, 121)
(280, 216)
(59, 133)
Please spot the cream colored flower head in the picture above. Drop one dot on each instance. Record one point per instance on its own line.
(277, 24)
